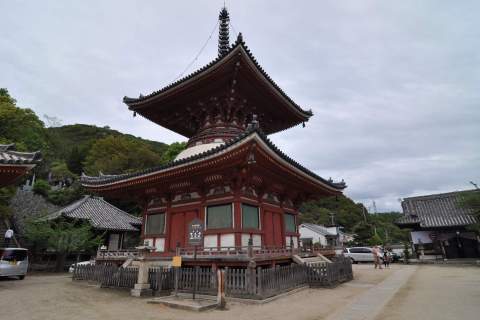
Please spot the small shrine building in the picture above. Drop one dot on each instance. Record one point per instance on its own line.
(231, 176)
(15, 164)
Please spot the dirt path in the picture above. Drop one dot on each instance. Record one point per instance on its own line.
(437, 292)
(56, 297)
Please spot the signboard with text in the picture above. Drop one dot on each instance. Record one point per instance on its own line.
(195, 232)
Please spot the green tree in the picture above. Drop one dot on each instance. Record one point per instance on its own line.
(20, 126)
(117, 154)
(41, 187)
(60, 171)
(6, 193)
(471, 200)
(375, 240)
(75, 160)
(62, 236)
(172, 151)
(65, 196)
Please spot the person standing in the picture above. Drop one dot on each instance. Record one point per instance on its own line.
(8, 237)
(376, 257)
(386, 259)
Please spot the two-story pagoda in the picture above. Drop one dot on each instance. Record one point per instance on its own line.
(231, 176)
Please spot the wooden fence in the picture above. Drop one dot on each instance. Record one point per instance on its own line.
(107, 275)
(161, 278)
(257, 283)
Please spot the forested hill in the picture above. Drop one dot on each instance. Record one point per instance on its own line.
(64, 138)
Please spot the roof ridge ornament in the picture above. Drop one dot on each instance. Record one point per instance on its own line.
(254, 124)
(223, 32)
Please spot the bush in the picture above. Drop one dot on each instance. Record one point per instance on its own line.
(64, 196)
(41, 187)
(406, 252)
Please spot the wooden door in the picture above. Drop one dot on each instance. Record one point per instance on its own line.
(278, 238)
(114, 242)
(177, 230)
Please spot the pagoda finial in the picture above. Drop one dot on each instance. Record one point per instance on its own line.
(223, 32)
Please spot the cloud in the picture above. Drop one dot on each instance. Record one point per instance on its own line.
(394, 87)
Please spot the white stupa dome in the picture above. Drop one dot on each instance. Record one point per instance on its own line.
(197, 149)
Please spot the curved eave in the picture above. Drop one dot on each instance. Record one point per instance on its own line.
(136, 104)
(261, 139)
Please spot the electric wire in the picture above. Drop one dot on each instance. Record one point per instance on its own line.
(198, 54)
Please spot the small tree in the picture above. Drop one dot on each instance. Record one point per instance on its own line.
(406, 252)
(41, 187)
(375, 240)
(471, 200)
(172, 151)
(6, 194)
(62, 236)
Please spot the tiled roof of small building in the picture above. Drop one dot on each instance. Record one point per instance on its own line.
(100, 214)
(318, 229)
(8, 155)
(106, 179)
(436, 210)
(238, 43)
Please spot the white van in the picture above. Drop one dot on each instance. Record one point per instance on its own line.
(13, 262)
(360, 254)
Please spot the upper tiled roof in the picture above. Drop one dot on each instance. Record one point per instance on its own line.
(107, 179)
(436, 210)
(239, 43)
(318, 229)
(100, 214)
(8, 155)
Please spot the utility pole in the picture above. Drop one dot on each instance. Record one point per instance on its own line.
(364, 215)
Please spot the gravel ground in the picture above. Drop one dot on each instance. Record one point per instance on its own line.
(57, 297)
(433, 292)
(437, 293)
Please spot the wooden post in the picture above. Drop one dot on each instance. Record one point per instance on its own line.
(251, 278)
(259, 280)
(177, 271)
(221, 289)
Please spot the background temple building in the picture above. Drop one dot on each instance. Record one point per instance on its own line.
(439, 226)
(231, 176)
(119, 229)
(15, 164)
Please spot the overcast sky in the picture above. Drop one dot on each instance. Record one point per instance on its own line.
(394, 85)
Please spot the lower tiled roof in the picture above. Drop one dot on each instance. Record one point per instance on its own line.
(8, 155)
(436, 210)
(100, 214)
(318, 229)
(108, 179)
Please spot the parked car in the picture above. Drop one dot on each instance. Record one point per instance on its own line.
(13, 262)
(83, 263)
(360, 254)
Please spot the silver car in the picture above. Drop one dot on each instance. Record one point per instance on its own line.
(13, 262)
(360, 254)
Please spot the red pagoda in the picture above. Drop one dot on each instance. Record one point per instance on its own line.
(230, 176)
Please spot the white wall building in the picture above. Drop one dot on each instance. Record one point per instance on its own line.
(325, 236)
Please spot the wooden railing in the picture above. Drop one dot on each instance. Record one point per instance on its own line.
(116, 254)
(246, 251)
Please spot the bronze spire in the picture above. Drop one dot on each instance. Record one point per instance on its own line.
(223, 32)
